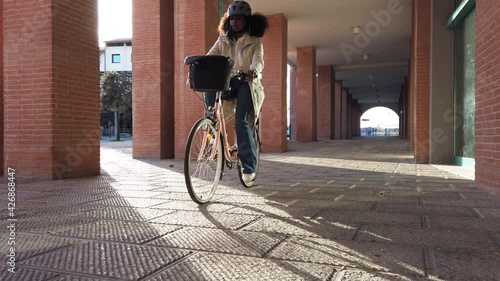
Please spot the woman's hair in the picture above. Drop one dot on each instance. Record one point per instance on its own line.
(256, 25)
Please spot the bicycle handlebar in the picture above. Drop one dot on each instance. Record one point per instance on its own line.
(244, 75)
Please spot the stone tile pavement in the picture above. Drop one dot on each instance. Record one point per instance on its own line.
(326, 210)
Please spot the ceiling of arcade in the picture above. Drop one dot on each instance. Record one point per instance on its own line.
(372, 64)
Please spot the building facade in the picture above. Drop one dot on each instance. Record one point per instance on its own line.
(116, 55)
(449, 105)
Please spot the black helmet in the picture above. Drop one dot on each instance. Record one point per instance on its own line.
(239, 8)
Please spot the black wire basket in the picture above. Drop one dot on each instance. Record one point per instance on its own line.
(209, 73)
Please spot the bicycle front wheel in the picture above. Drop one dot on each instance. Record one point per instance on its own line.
(203, 161)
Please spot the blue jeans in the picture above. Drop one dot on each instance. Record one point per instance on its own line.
(246, 144)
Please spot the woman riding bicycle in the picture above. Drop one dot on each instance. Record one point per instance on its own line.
(240, 39)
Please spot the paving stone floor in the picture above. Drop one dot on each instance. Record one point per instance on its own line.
(325, 210)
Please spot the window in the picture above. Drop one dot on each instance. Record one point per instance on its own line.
(115, 58)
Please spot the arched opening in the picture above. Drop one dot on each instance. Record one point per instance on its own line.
(379, 122)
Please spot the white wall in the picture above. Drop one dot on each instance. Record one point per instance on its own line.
(102, 63)
(125, 64)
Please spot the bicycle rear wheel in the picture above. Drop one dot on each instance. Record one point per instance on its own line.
(256, 139)
(203, 161)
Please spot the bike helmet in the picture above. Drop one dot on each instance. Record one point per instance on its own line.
(239, 8)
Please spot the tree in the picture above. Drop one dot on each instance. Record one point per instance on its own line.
(116, 94)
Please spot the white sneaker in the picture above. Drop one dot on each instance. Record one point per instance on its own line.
(248, 179)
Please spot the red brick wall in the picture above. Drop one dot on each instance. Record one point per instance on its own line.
(325, 94)
(274, 76)
(76, 107)
(196, 24)
(403, 105)
(293, 103)
(1, 89)
(28, 128)
(487, 137)
(349, 117)
(345, 93)
(153, 77)
(51, 94)
(355, 122)
(338, 110)
(306, 94)
(411, 71)
(421, 75)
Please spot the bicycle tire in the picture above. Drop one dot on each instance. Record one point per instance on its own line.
(256, 138)
(203, 169)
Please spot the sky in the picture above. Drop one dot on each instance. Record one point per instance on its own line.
(380, 117)
(115, 19)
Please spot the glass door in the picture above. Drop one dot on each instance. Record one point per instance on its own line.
(464, 93)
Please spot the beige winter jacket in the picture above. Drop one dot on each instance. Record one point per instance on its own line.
(252, 56)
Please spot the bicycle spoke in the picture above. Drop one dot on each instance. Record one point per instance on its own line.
(203, 162)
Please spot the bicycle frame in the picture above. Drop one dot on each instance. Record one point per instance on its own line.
(221, 131)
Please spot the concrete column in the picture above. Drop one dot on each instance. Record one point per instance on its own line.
(51, 88)
(421, 74)
(325, 94)
(441, 121)
(345, 93)
(274, 110)
(153, 80)
(337, 110)
(306, 94)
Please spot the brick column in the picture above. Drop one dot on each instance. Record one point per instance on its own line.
(274, 109)
(421, 74)
(196, 24)
(306, 94)
(325, 94)
(293, 103)
(349, 117)
(51, 88)
(153, 79)
(406, 109)
(487, 150)
(345, 93)
(354, 118)
(411, 95)
(337, 119)
(1, 89)
(401, 113)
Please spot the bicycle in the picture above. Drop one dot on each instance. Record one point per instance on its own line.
(207, 148)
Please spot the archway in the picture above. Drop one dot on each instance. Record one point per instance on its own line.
(379, 121)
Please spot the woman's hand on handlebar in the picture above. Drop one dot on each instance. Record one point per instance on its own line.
(251, 74)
